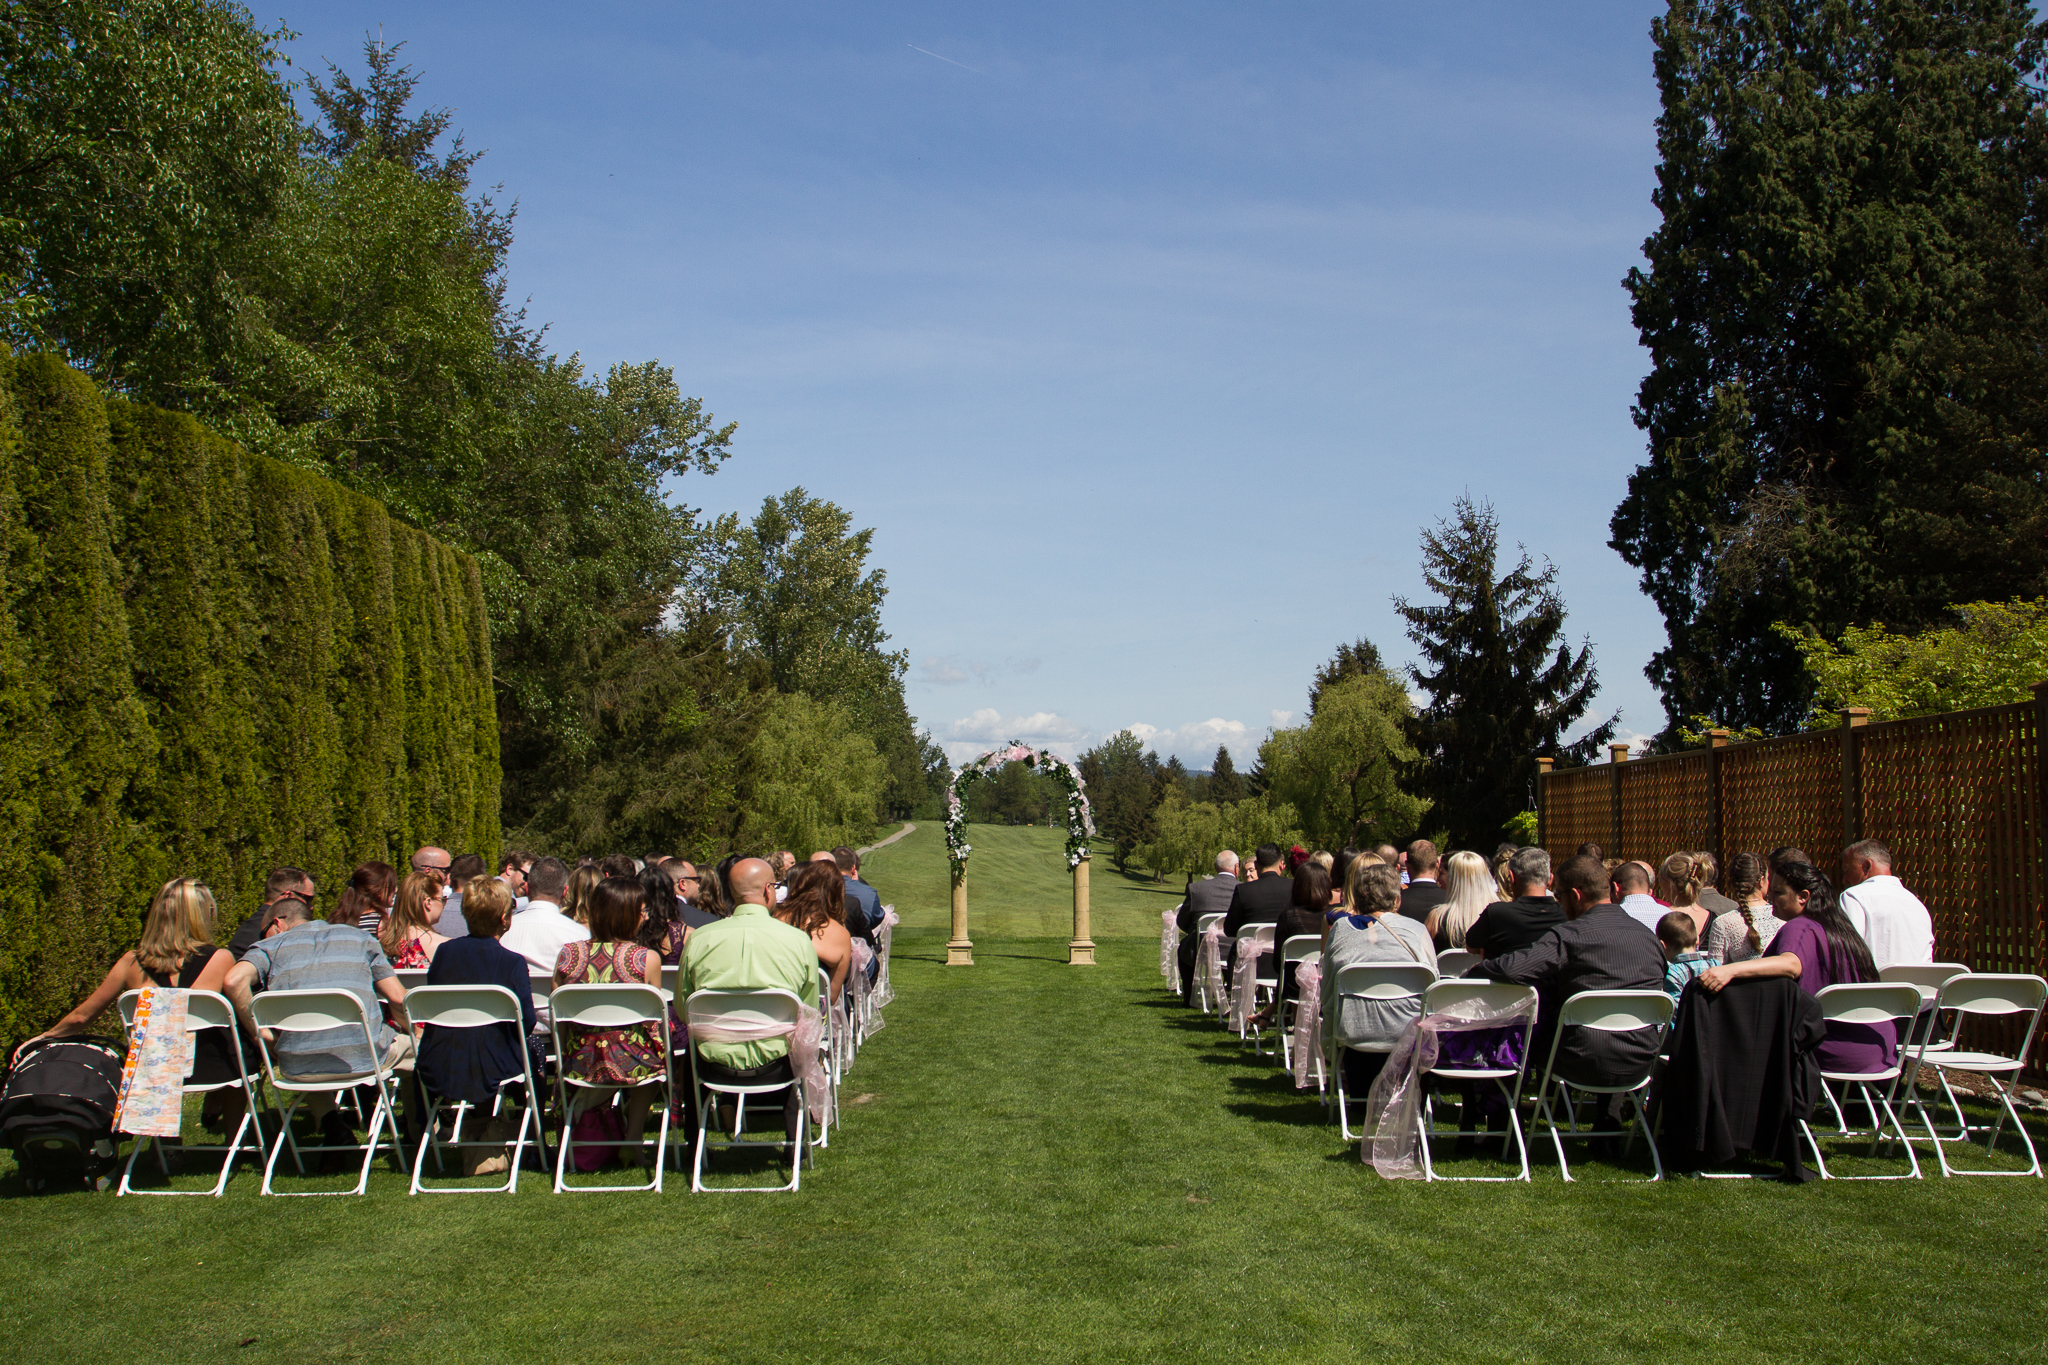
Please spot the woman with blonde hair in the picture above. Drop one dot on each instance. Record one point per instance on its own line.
(576, 900)
(1678, 886)
(1468, 890)
(407, 934)
(177, 949)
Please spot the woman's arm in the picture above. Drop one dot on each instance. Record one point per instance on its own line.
(835, 953)
(215, 974)
(1780, 964)
(122, 976)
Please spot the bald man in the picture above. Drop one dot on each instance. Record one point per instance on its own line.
(450, 924)
(750, 950)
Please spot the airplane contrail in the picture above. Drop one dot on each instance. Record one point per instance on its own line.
(929, 53)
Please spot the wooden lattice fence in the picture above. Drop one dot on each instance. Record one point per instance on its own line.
(1957, 797)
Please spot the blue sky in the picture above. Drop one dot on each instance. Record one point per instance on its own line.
(1146, 338)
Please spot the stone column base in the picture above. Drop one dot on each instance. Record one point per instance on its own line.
(959, 953)
(1081, 953)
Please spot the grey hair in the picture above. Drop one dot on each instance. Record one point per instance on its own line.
(1225, 861)
(1871, 851)
(1529, 865)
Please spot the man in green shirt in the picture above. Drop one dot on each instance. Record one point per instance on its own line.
(750, 950)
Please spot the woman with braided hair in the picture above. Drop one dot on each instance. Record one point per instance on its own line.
(1821, 948)
(1742, 933)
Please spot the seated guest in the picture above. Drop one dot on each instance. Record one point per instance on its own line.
(616, 865)
(1742, 933)
(609, 956)
(1304, 915)
(750, 950)
(576, 896)
(177, 949)
(437, 861)
(282, 882)
(1678, 887)
(540, 931)
(1821, 948)
(1260, 900)
(461, 872)
(663, 930)
(297, 954)
(1711, 900)
(1679, 940)
(1503, 874)
(1375, 931)
(689, 894)
(863, 903)
(367, 898)
(1422, 893)
(409, 934)
(471, 1063)
(1593, 851)
(1210, 896)
(816, 905)
(1599, 947)
(1468, 891)
(1512, 925)
(1631, 890)
(1890, 918)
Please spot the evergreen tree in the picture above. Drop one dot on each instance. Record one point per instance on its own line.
(1846, 309)
(1118, 774)
(1360, 658)
(1498, 695)
(1225, 786)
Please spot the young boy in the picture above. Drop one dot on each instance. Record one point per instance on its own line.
(1675, 932)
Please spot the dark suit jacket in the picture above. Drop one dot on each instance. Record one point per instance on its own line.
(1419, 898)
(1602, 950)
(1258, 902)
(1210, 896)
(1510, 926)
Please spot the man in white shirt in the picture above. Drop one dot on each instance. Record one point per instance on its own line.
(540, 932)
(1891, 919)
(1631, 888)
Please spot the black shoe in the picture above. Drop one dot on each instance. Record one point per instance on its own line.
(335, 1132)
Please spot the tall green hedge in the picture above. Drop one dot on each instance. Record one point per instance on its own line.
(210, 663)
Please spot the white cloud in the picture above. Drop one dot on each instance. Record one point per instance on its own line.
(1196, 742)
(937, 670)
(1280, 718)
(972, 736)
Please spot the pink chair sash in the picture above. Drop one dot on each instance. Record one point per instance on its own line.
(1209, 963)
(160, 1057)
(857, 982)
(1244, 983)
(1169, 941)
(1393, 1137)
(884, 993)
(804, 1039)
(1308, 1019)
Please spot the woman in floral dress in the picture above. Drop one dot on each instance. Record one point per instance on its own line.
(614, 1056)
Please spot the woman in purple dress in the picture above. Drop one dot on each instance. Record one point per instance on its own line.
(1820, 947)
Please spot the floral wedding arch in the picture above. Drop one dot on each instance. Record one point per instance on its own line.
(1080, 828)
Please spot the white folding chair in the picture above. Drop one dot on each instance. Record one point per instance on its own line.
(203, 1009)
(1296, 950)
(1986, 994)
(838, 1025)
(1607, 1012)
(1253, 946)
(1868, 1004)
(466, 1007)
(1492, 995)
(412, 978)
(882, 992)
(1381, 981)
(1929, 977)
(767, 1008)
(610, 1005)
(1202, 987)
(1453, 961)
(315, 1012)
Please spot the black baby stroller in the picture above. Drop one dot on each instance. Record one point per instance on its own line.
(57, 1112)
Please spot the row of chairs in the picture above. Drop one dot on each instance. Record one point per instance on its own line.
(1929, 1002)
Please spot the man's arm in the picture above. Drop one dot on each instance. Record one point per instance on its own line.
(1476, 932)
(239, 990)
(1526, 967)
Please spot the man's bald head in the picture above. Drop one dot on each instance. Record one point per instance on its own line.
(1632, 879)
(431, 859)
(750, 879)
(823, 855)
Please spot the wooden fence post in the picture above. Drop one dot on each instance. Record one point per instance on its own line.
(1853, 717)
(1617, 754)
(2037, 886)
(1717, 740)
(1543, 767)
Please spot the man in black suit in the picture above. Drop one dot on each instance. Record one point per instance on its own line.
(1260, 900)
(1210, 896)
(1422, 894)
(1510, 926)
(1598, 948)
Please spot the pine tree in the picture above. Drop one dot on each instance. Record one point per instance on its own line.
(1846, 309)
(1225, 786)
(1498, 695)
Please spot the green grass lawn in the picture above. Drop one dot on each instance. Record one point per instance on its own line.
(1048, 1163)
(1017, 885)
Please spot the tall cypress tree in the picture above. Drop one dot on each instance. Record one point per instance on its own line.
(1846, 309)
(1498, 694)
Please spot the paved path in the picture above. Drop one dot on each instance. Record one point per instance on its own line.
(908, 828)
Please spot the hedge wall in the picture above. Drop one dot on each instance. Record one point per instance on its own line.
(210, 663)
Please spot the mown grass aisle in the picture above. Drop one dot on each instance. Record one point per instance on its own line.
(1049, 1163)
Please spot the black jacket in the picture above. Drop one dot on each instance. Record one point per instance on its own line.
(1210, 896)
(1258, 902)
(1510, 926)
(1419, 898)
(1601, 950)
(1744, 1069)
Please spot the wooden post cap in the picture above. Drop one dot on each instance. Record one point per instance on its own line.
(1855, 715)
(1544, 764)
(1717, 738)
(1617, 753)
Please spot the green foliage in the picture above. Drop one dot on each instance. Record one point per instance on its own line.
(1016, 795)
(1119, 775)
(1187, 836)
(1995, 656)
(1694, 733)
(1343, 770)
(1846, 309)
(1223, 786)
(1522, 828)
(1359, 659)
(210, 663)
(815, 778)
(1498, 696)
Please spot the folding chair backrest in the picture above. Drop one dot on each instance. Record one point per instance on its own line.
(1616, 1011)
(668, 978)
(1257, 935)
(615, 1004)
(463, 1006)
(1454, 961)
(1488, 995)
(542, 984)
(1301, 947)
(769, 1005)
(412, 978)
(1932, 974)
(1384, 980)
(1869, 1002)
(1993, 993)
(1202, 924)
(308, 1011)
(203, 1009)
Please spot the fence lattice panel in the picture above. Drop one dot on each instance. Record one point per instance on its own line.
(1578, 808)
(1783, 791)
(1666, 806)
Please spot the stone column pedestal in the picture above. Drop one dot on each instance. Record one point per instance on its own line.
(959, 948)
(1081, 952)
